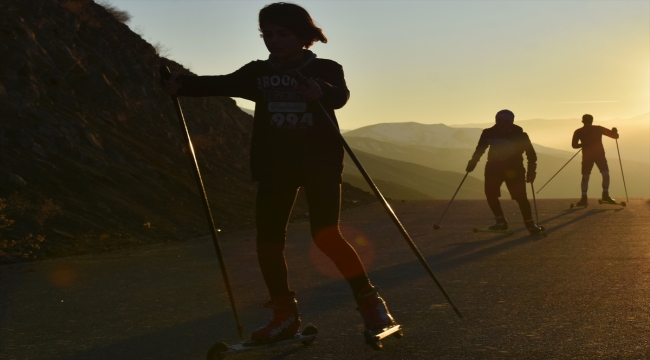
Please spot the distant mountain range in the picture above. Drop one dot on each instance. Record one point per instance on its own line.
(420, 161)
(401, 178)
(248, 111)
(399, 147)
(634, 142)
(439, 136)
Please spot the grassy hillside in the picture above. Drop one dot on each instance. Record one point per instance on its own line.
(445, 159)
(389, 189)
(434, 183)
(565, 185)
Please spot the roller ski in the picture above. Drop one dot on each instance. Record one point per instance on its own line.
(606, 199)
(281, 330)
(501, 227)
(222, 350)
(582, 203)
(378, 322)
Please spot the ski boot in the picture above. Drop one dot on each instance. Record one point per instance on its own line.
(606, 199)
(501, 225)
(581, 203)
(534, 229)
(377, 320)
(284, 324)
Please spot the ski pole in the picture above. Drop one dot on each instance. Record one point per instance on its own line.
(621, 163)
(437, 225)
(383, 201)
(567, 163)
(164, 74)
(532, 188)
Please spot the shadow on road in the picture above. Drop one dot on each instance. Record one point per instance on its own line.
(172, 343)
(459, 254)
(581, 217)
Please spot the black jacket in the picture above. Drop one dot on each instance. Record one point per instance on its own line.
(506, 150)
(292, 139)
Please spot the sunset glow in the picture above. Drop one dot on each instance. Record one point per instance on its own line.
(438, 61)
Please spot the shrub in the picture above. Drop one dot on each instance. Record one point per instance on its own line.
(119, 15)
(24, 248)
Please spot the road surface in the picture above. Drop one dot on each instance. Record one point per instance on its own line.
(582, 293)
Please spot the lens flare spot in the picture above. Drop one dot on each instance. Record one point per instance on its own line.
(362, 245)
(63, 277)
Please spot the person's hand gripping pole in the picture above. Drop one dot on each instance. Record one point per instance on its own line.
(172, 88)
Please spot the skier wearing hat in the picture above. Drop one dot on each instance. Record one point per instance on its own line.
(507, 143)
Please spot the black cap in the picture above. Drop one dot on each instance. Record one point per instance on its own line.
(505, 115)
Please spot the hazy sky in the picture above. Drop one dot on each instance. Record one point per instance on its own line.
(440, 61)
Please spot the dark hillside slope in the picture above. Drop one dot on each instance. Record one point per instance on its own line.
(435, 184)
(91, 153)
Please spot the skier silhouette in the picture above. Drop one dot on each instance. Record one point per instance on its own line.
(590, 139)
(293, 146)
(507, 143)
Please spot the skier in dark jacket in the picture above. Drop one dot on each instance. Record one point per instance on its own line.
(293, 145)
(507, 143)
(590, 139)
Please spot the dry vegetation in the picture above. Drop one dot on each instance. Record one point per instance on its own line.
(119, 15)
(23, 247)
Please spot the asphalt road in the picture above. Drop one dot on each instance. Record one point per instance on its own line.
(581, 293)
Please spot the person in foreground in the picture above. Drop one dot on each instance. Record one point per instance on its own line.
(507, 143)
(293, 145)
(590, 139)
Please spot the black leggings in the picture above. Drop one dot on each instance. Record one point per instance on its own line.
(516, 185)
(273, 208)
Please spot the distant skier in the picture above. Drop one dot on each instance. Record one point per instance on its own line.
(590, 139)
(507, 144)
(293, 145)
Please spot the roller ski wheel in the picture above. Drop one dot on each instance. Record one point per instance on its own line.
(622, 203)
(309, 334)
(374, 337)
(222, 350)
(488, 230)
